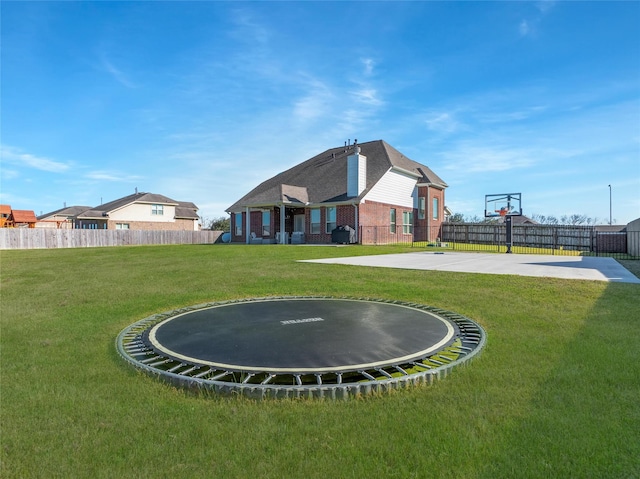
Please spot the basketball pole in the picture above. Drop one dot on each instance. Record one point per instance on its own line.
(509, 226)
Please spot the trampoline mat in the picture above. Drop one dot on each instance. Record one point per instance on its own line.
(287, 335)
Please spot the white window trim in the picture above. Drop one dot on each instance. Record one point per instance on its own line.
(238, 224)
(315, 226)
(266, 227)
(328, 228)
(393, 221)
(157, 210)
(422, 204)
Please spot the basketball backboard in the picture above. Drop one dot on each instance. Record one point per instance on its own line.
(503, 204)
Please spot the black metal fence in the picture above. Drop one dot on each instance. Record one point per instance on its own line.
(534, 239)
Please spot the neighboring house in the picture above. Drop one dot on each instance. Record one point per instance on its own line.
(141, 211)
(62, 218)
(518, 220)
(5, 211)
(370, 187)
(22, 219)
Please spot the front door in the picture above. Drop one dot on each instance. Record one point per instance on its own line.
(298, 223)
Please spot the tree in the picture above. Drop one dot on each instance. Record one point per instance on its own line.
(456, 218)
(220, 224)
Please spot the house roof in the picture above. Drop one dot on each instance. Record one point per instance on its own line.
(322, 179)
(5, 209)
(187, 210)
(518, 220)
(106, 208)
(67, 211)
(24, 216)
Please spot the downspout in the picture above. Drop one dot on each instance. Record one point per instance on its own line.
(357, 226)
(426, 212)
(283, 240)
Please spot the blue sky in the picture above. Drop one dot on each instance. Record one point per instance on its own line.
(202, 101)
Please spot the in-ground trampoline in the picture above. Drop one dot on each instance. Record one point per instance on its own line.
(301, 346)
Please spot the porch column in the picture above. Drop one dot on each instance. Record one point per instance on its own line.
(283, 239)
(247, 225)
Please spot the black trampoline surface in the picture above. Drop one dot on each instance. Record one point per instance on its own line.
(301, 335)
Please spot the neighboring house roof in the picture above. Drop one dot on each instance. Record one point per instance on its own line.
(68, 211)
(106, 208)
(5, 209)
(610, 228)
(519, 220)
(186, 211)
(24, 216)
(322, 179)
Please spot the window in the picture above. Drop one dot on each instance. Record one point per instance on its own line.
(407, 222)
(392, 220)
(435, 208)
(157, 210)
(238, 223)
(122, 226)
(331, 218)
(315, 221)
(421, 207)
(266, 223)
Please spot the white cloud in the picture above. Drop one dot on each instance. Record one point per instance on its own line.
(368, 96)
(368, 64)
(116, 73)
(471, 159)
(248, 28)
(442, 122)
(524, 28)
(545, 6)
(17, 157)
(111, 176)
(313, 104)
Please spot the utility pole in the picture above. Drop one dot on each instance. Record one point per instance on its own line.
(610, 210)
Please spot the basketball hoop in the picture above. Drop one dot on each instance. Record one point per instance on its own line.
(502, 211)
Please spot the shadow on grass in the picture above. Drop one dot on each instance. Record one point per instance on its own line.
(583, 420)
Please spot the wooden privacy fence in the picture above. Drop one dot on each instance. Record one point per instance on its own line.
(575, 238)
(33, 238)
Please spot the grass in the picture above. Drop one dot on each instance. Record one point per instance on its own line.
(554, 393)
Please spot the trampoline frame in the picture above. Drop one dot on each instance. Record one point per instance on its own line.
(133, 345)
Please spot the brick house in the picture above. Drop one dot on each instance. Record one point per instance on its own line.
(370, 187)
(140, 211)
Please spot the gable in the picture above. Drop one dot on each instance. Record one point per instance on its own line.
(394, 188)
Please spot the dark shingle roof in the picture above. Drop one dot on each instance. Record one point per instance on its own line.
(66, 211)
(150, 198)
(323, 178)
(186, 210)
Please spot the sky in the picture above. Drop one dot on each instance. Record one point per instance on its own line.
(202, 101)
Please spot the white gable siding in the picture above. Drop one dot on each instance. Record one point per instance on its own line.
(142, 212)
(394, 188)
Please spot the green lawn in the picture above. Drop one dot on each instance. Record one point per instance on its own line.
(555, 393)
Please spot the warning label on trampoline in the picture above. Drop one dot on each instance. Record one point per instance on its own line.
(298, 321)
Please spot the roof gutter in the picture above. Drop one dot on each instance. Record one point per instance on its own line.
(406, 172)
